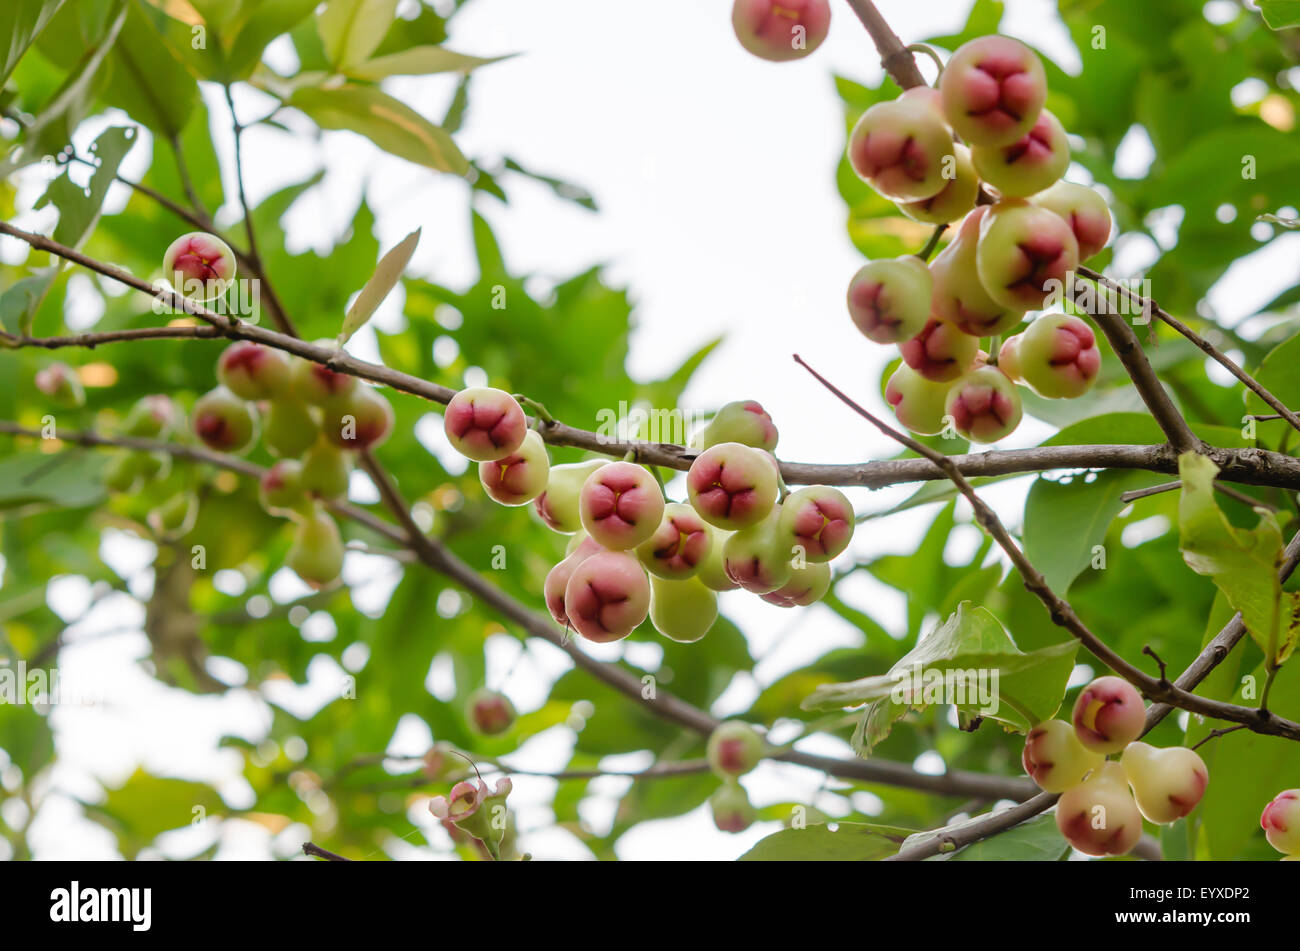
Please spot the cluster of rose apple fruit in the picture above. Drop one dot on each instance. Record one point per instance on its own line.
(635, 555)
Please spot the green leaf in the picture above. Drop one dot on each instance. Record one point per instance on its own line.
(79, 206)
(352, 29)
(145, 806)
(1280, 14)
(70, 479)
(148, 80)
(392, 125)
(418, 61)
(846, 842)
(1243, 563)
(562, 189)
(385, 278)
(269, 19)
(21, 21)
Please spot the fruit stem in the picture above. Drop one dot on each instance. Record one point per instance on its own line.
(925, 252)
(928, 51)
(541, 412)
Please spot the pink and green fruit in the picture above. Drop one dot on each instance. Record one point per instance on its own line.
(732, 486)
(1025, 254)
(993, 89)
(731, 809)
(1167, 783)
(818, 519)
(678, 545)
(60, 383)
(316, 383)
(781, 30)
(1009, 358)
(520, 477)
(361, 418)
(1055, 759)
(713, 569)
(683, 609)
(744, 421)
(889, 300)
(224, 422)
(734, 749)
(959, 298)
(252, 371)
(489, 712)
(200, 266)
(1084, 211)
(940, 352)
(280, 489)
(317, 552)
(758, 558)
(1098, 816)
(484, 424)
(807, 585)
(621, 505)
(326, 471)
(557, 580)
(1030, 164)
(901, 148)
(557, 506)
(918, 403)
(290, 427)
(984, 405)
(1109, 715)
(958, 195)
(1058, 356)
(1281, 822)
(152, 417)
(607, 597)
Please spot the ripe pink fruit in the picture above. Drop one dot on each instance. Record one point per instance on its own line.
(621, 505)
(807, 585)
(889, 300)
(1058, 356)
(607, 596)
(1281, 822)
(732, 486)
(1025, 253)
(484, 424)
(781, 30)
(678, 545)
(1109, 715)
(200, 266)
(520, 477)
(61, 383)
(489, 712)
(359, 419)
(743, 421)
(984, 405)
(252, 371)
(940, 352)
(1084, 211)
(557, 580)
(731, 809)
(957, 197)
(993, 89)
(734, 749)
(1055, 759)
(1167, 783)
(757, 558)
(223, 421)
(281, 489)
(1032, 163)
(819, 519)
(918, 403)
(959, 298)
(316, 383)
(1009, 358)
(1099, 816)
(901, 148)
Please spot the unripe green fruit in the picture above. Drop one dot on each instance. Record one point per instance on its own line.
(713, 570)
(484, 424)
(807, 585)
(818, 519)
(1055, 759)
(734, 749)
(280, 489)
(901, 147)
(607, 597)
(731, 809)
(678, 545)
(1028, 165)
(1084, 210)
(781, 30)
(621, 505)
(252, 371)
(958, 195)
(489, 712)
(175, 517)
(200, 266)
(732, 486)
(1108, 715)
(122, 472)
(940, 352)
(1281, 822)
(758, 558)
(1058, 356)
(1099, 816)
(326, 471)
(993, 89)
(918, 403)
(290, 428)
(317, 552)
(557, 506)
(1167, 783)
(1009, 359)
(316, 383)
(155, 465)
(361, 418)
(61, 384)
(520, 477)
(744, 421)
(889, 300)
(224, 422)
(984, 405)
(1025, 254)
(152, 417)
(557, 580)
(682, 610)
(959, 298)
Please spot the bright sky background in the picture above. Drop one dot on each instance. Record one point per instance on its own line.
(714, 173)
